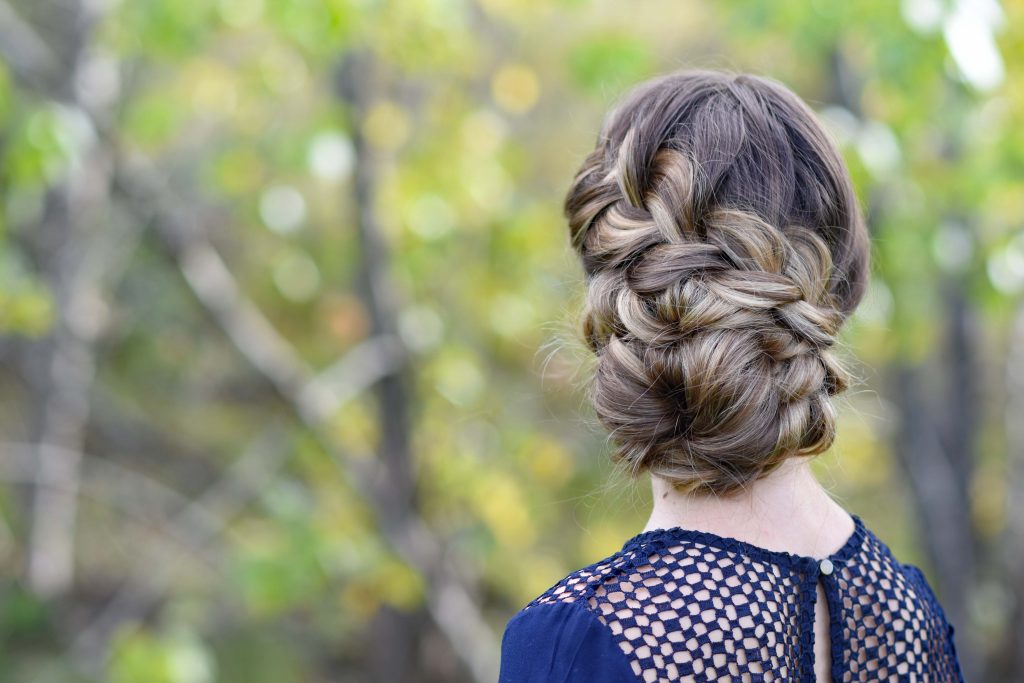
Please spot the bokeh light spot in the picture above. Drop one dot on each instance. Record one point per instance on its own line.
(515, 88)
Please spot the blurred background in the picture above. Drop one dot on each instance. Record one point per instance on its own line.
(290, 381)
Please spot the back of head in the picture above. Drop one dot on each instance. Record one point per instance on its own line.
(724, 248)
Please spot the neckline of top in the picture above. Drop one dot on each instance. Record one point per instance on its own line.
(729, 543)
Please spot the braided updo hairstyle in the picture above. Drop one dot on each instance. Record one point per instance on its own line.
(723, 248)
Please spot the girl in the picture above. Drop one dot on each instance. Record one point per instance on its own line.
(724, 248)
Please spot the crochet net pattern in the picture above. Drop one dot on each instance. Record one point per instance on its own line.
(685, 605)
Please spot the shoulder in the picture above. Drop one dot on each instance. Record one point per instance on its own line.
(559, 637)
(906, 585)
(943, 639)
(579, 586)
(879, 558)
(926, 595)
(561, 643)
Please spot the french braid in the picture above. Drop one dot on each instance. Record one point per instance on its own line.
(723, 249)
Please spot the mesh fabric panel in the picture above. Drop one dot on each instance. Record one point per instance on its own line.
(693, 606)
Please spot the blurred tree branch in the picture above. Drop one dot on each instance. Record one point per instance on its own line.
(450, 604)
(77, 261)
(312, 399)
(125, 489)
(1008, 661)
(28, 57)
(247, 478)
(356, 84)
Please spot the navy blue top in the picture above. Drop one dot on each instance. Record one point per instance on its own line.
(679, 604)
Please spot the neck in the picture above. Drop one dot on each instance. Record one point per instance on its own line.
(787, 510)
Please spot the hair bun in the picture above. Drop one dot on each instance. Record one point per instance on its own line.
(723, 248)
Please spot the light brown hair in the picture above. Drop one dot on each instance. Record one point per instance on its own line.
(723, 248)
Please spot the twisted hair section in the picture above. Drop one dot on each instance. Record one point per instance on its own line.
(723, 249)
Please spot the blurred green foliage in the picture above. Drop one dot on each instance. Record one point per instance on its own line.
(484, 109)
